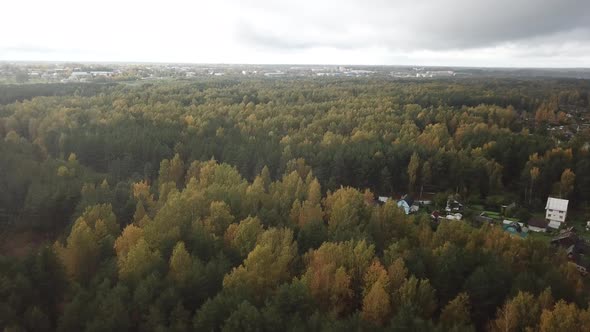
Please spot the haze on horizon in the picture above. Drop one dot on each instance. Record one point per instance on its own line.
(501, 33)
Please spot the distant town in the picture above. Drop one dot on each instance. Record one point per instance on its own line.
(45, 72)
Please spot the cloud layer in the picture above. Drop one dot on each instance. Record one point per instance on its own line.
(449, 32)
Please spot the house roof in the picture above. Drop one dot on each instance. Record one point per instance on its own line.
(556, 204)
(403, 203)
(409, 200)
(568, 233)
(538, 222)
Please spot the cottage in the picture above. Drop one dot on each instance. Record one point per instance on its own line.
(556, 211)
(575, 248)
(403, 204)
(407, 204)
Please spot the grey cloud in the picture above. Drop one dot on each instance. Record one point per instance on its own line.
(268, 39)
(463, 24)
(414, 25)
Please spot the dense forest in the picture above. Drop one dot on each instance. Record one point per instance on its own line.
(249, 204)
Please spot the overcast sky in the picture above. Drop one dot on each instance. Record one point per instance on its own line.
(506, 33)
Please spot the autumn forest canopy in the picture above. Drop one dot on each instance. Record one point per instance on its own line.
(249, 204)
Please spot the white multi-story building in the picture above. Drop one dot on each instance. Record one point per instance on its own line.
(556, 211)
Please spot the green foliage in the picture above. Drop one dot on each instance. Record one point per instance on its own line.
(245, 318)
(247, 204)
(346, 209)
(180, 264)
(266, 267)
(243, 236)
(140, 261)
(418, 296)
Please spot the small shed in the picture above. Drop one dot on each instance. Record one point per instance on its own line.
(537, 224)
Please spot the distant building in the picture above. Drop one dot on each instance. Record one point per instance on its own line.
(101, 73)
(556, 211)
(78, 75)
(278, 73)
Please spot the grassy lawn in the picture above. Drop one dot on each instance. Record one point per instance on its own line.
(477, 207)
(512, 219)
(546, 237)
(580, 227)
(493, 215)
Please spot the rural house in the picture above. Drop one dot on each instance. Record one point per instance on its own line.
(407, 204)
(556, 211)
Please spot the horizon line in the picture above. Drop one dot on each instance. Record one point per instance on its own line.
(277, 64)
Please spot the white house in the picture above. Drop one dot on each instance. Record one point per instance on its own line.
(407, 204)
(556, 211)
